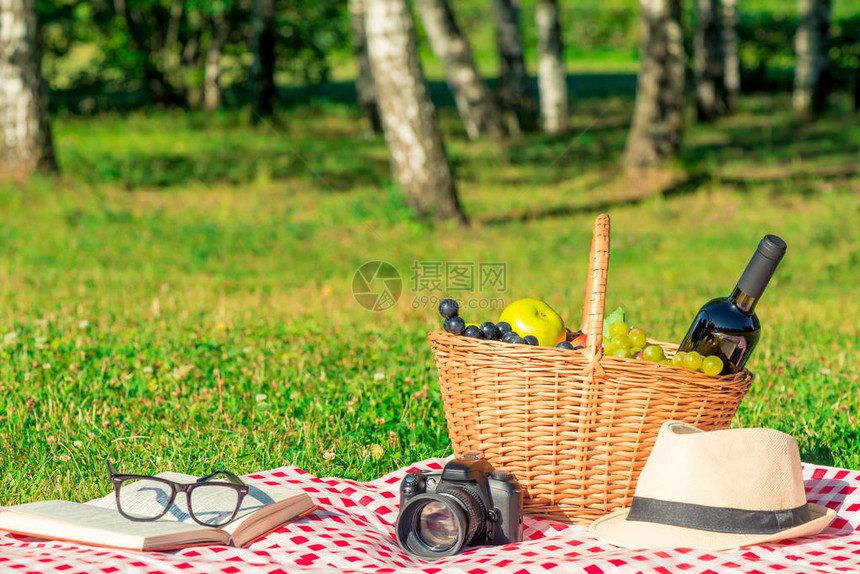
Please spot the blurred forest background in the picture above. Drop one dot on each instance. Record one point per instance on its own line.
(188, 187)
(264, 55)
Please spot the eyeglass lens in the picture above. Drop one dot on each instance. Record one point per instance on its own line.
(214, 504)
(143, 498)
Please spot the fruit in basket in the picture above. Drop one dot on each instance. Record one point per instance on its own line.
(531, 340)
(631, 343)
(620, 340)
(517, 340)
(712, 366)
(564, 345)
(455, 325)
(534, 317)
(693, 361)
(510, 336)
(491, 331)
(637, 338)
(618, 328)
(504, 327)
(579, 340)
(622, 352)
(449, 308)
(653, 353)
(617, 315)
(474, 332)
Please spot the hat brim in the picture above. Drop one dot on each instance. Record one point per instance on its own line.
(616, 529)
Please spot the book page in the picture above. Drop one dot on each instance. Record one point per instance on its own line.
(60, 519)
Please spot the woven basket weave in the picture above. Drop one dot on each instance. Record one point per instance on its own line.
(575, 427)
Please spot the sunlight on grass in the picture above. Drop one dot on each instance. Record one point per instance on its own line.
(181, 298)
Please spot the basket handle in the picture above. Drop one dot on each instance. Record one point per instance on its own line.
(595, 288)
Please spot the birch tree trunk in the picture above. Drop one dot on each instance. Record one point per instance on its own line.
(220, 29)
(364, 78)
(552, 77)
(514, 91)
(263, 66)
(732, 67)
(709, 60)
(418, 159)
(25, 130)
(658, 115)
(811, 46)
(477, 106)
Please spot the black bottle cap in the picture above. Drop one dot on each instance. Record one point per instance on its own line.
(772, 247)
(770, 252)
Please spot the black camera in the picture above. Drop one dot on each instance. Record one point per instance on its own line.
(466, 503)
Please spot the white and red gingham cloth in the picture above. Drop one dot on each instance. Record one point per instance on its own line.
(353, 531)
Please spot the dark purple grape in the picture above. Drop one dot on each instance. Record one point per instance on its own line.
(531, 340)
(473, 331)
(490, 331)
(504, 327)
(455, 325)
(578, 347)
(518, 341)
(509, 336)
(448, 308)
(564, 345)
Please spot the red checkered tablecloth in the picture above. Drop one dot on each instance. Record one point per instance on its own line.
(353, 531)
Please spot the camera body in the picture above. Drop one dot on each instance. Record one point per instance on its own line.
(466, 503)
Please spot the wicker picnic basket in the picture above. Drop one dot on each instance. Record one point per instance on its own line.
(575, 427)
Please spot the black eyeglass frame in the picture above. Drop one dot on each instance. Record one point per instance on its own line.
(117, 478)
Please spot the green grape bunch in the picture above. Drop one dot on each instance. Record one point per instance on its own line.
(632, 343)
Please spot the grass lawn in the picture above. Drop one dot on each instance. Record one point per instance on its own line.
(181, 298)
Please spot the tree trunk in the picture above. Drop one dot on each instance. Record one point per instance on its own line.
(811, 46)
(709, 61)
(212, 91)
(658, 115)
(415, 146)
(477, 106)
(514, 91)
(25, 129)
(732, 66)
(364, 79)
(263, 66)
(552, 77)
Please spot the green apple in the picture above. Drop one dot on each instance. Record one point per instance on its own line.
(534, 317)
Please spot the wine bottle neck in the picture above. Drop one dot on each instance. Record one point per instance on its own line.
(761, 267)
(743, 301)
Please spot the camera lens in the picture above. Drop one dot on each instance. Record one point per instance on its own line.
(440, 524)
(437, 526)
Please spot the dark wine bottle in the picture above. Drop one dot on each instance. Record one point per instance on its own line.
(728, 326)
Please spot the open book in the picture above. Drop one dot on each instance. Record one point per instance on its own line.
(98, 523)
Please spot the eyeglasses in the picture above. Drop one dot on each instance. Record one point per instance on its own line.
(142, 497)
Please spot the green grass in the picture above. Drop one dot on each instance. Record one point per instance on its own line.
(181, 298)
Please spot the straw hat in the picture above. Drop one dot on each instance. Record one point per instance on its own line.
(714, 491)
